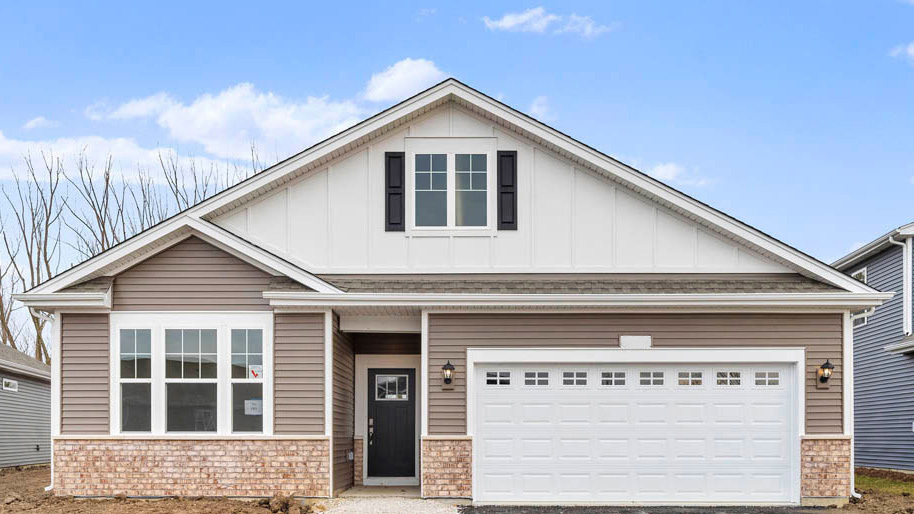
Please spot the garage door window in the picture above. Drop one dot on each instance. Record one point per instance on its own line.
(501, 378)
(612, 378)
(728, 378)
(536, 378)
(690, 378)
(651, 378)
(767, 378)
(574, 378)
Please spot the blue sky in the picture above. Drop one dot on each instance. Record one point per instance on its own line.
(795, 117)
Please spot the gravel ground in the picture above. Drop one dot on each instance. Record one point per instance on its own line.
(385, 506)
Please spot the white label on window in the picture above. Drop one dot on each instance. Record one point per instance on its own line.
(253, 407)
(255, 371)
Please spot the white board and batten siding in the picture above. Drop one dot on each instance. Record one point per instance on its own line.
(569, 219)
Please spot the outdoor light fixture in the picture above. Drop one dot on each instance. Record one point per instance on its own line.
(825, 371)
(447, 371)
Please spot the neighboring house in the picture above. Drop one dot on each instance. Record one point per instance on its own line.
(453, 295)
(25, 409)
(884, 353)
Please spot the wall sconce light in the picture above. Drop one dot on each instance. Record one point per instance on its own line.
(447, 372)
(825, 370)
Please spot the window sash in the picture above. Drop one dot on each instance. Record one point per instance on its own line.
(223, 323)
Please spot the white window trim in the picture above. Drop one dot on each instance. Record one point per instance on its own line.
(10, 385)
(223, 322)
(451, 146)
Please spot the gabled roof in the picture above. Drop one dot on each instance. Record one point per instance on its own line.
(872, 248)
(450, 90)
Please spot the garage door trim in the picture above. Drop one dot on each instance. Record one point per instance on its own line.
(795, 356)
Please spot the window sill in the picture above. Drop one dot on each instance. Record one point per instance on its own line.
(452, 232)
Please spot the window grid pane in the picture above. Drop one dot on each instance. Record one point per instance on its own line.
(690, 378)
(185, 357)
(470, 197)
(536, 378)
(650, 378)
(574, 378)
(247, 354)
(767, 378)
(612, 378)
(136, 349)
(498, 378)
(731, 378)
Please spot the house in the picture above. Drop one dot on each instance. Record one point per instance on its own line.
(884, 353)
(453, 295)
(25, 409)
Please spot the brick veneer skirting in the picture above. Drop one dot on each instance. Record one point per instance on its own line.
(447, 468)
(222, 467)
(825, 467)
(357, 454)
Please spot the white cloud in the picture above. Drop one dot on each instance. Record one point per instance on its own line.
(226, 123)
(583, 25)
(538, 20)
(97, 110)
(904, 51)
(143, 107)
(531, 20)
(128, 155)
(402, 80)
(677, 174)
(431, 11)
(540, 109)
(40, 122)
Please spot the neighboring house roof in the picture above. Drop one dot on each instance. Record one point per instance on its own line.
(873, 247)
(196, 218)
(14, 361)
(609, 283)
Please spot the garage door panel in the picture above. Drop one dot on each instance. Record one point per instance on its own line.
(697, 437)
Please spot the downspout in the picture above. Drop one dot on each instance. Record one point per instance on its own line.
(48, 318)
(906, 282)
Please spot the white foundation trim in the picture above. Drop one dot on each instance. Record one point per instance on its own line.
(362, 364)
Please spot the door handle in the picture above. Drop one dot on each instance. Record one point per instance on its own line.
(370, 431)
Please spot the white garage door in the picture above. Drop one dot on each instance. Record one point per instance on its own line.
(635, 433)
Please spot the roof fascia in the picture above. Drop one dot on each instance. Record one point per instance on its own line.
(829, 300)
(873, 247)
(20, 369)
(211, 233)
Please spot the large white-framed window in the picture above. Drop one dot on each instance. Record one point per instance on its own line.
(450, 186)
(192, 374)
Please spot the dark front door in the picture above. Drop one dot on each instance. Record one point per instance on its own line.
(392, 422)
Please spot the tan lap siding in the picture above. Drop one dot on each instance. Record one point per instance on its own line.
(192, 275)
(298, 361)
(451, 334)
(84, 374)
(343, 407)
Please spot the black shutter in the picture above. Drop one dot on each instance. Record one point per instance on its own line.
(507, 190)
(395, 191)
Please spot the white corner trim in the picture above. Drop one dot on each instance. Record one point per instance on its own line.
(328, 376)
(847, 373)
(423, 352)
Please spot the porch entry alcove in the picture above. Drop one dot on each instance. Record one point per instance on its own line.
(386, 418)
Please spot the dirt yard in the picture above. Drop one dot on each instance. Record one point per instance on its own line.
(884, 492)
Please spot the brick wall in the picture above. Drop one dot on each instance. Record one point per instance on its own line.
(139, 467)
(825, 468)
(357, 450)
(447, 468)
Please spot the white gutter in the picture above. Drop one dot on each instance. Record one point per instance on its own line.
(830, 300)
(21, 369)
(53, 301)
(906, 281)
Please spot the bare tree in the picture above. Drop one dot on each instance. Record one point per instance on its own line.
(32, 242)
